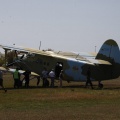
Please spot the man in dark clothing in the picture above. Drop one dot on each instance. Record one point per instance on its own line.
(44, 77)
(88, 78)
(61, 77)
(27, 78)
(38, 80)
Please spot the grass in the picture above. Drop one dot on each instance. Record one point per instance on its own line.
(72, 102)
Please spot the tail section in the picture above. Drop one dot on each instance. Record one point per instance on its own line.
(110, 52)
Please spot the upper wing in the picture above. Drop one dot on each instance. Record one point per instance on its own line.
(25, 50)
(13, 48)
(81, 56)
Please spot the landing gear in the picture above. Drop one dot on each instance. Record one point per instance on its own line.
(100, 85)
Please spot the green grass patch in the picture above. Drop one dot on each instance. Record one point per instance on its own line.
(69, 102)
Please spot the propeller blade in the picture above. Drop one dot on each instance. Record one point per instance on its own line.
(10, 64)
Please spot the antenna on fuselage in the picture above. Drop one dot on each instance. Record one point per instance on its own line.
(40, 45)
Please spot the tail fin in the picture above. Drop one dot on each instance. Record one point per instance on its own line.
(109, 52)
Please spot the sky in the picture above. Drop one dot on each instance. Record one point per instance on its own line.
(61, 25)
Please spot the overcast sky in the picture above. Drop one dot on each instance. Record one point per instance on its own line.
(65, 25)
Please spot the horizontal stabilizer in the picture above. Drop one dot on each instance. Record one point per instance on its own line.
(3, 69)
(11, 70)
(99, 62)
(22, 71)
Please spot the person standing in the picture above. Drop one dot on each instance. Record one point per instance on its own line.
(44, 76)
(16, 76)
(88, 78)
(52, 76)
(1, 81)
(27, 78)
(38, 80)
(61, 77)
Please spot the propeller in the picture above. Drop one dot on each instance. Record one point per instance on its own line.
(8, 65)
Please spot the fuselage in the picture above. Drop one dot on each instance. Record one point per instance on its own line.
(74, 70)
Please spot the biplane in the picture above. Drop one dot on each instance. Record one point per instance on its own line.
(105, 65)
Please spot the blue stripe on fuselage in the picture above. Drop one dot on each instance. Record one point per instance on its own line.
(75, 70)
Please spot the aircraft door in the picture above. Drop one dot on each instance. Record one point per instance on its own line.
(58, 68)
